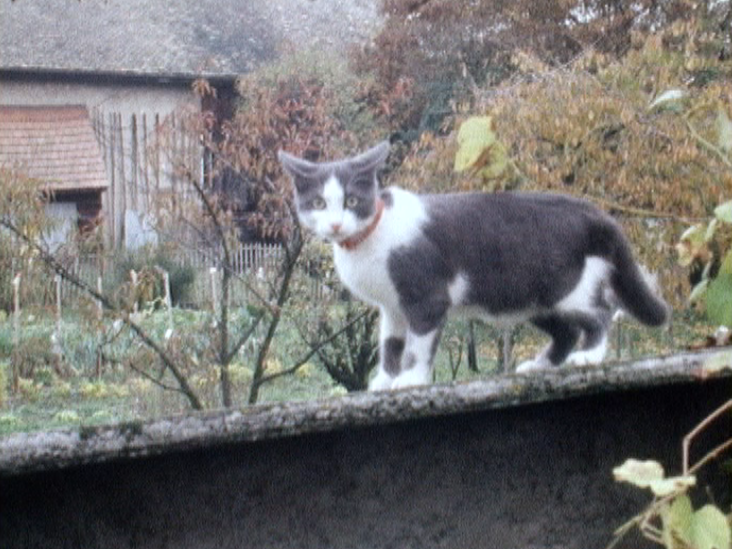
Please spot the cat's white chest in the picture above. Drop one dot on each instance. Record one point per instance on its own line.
(365, 270)
(365, 273)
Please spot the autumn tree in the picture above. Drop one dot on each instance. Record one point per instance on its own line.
(243, 192)
(22, 207)
(431, 54)
(644, 135)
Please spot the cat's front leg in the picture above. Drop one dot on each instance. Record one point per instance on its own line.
(392, 338)
(418, 357)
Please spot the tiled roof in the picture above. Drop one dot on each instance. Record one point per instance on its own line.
(55, 145)
(172, 37)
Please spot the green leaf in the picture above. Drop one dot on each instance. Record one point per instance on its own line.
(667, 486)
(474, 138)
(724, 131)
(669, 100)
(706, 528)
(639, 473)
(709, 529)
(711, 229)
(692, 241)
(726, 266)
(685, 255)
(723, 212)
(694, 235)
(719, 294)
(677, 518)
(650, 474)
(719, 299)
(718, 362)
(699, 291)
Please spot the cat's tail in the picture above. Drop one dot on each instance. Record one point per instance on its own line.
(636, 288)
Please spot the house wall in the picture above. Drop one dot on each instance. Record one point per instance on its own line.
(109, 96)
(64, 215)
(125, 115)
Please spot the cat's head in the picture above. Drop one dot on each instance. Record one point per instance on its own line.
(337, 200)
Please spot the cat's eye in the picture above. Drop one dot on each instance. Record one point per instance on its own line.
(318, 204)
(351, 202)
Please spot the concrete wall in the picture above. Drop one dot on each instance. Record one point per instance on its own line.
(526, 476)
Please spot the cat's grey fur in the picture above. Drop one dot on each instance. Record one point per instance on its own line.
(555, 261)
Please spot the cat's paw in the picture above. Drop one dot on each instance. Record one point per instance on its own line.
(531, 366)
(588, 357)
(381, 382)
(410, 378)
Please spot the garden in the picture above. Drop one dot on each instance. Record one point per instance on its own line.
(626, 104)
(637, 120)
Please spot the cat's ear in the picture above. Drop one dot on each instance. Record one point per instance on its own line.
(373, 158)
(296, 167)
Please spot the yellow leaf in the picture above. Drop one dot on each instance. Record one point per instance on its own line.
(496, 163)
(474, 138)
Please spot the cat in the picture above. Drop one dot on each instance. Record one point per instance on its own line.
(555, 261)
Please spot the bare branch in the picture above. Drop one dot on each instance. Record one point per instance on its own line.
(151, 378)
(282, 296)
(56, 265)
(689, 438)
(313, 351)
(244, 337)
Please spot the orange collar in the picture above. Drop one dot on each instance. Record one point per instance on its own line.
(357, 239)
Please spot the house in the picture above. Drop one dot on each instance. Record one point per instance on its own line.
(132, 63)
(57, 146)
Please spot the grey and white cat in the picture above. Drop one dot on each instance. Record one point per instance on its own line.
(555, 261)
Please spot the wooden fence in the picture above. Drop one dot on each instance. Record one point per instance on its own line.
(144, 155)
(151, 158)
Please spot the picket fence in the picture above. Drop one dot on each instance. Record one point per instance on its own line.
(246, 258)
(253, 265)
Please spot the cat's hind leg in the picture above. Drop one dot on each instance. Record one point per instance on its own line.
(589, 356)
(564, 333)
(594, 340)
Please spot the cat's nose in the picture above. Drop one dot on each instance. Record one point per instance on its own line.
(335, 227)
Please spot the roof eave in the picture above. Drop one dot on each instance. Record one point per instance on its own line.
(75, 190)
(117, 76)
